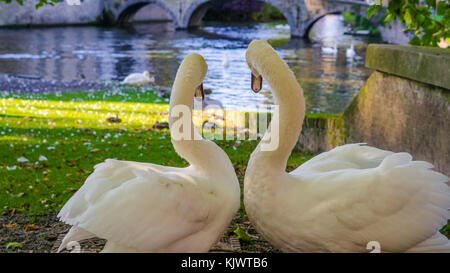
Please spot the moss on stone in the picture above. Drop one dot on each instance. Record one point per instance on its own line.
(319, 120)
(422, 64)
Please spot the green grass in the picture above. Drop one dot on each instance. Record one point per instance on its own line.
(71, 132)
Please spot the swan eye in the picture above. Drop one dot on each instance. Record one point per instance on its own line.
(199, 93)
(256, 83)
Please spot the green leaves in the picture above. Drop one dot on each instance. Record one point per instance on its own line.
(14, 245)
(408, 17)
(390, 17)
(431, 3)
(415, 41)
(241, 234)
(441, 7)
(429, 22)
(40, 3)
(372, 10)
(438, 18)
(445, 230)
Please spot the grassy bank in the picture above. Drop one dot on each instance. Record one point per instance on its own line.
(49, 143)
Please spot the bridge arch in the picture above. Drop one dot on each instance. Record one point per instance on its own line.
(129, 8)
(310, 23)
(197, 10)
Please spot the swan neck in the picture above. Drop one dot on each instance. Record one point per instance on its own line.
(187, 142)
(291, 108)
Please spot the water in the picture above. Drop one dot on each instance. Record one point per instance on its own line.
(328, 78)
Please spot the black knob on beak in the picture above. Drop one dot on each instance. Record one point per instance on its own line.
(256, 83)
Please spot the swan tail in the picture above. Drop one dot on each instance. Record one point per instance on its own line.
(75, 234)
(435, 244)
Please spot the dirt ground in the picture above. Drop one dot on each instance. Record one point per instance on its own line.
(43, 233)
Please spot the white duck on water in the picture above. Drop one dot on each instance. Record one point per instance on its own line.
(143, 207)
(340, 200)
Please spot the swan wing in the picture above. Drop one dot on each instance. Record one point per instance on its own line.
(369, 194)
(137, 206)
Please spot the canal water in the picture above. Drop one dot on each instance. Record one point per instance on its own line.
(324, 67)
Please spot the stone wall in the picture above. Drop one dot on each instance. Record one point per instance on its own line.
(403, 107)
(393, 33)
(151, 12)
(300, 14)
(321, 132)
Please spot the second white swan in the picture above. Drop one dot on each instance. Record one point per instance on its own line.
(343, 199)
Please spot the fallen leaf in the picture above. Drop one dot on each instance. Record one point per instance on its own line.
(241, 234)
(31, 227)
(13, 225)
(70, 190)
(20, 194)
(14, 245)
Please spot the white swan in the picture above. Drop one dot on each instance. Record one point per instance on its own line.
(350, 52)
(225, 61)
(143, 207)
(330, 50)
(340, 200)
(138, 79)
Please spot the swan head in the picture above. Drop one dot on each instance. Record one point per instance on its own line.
(193, 69)
(258, 54)
(147, 74)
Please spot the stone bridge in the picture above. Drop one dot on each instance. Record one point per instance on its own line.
(300, 14)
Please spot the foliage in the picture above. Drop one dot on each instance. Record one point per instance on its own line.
(40, 3)
(359, 22)
(429, 22)
(241, 234)
(349, 17)
(445, 230)
(268, 13)
(14, 245)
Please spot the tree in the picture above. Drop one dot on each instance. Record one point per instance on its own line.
(40, 3)
(430, 21)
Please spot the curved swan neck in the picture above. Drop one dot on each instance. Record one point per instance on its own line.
(264, 61)
(192, 147)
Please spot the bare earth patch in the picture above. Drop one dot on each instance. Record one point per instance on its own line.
(43, 233)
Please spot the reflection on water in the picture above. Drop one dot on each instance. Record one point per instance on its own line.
(328, 77)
